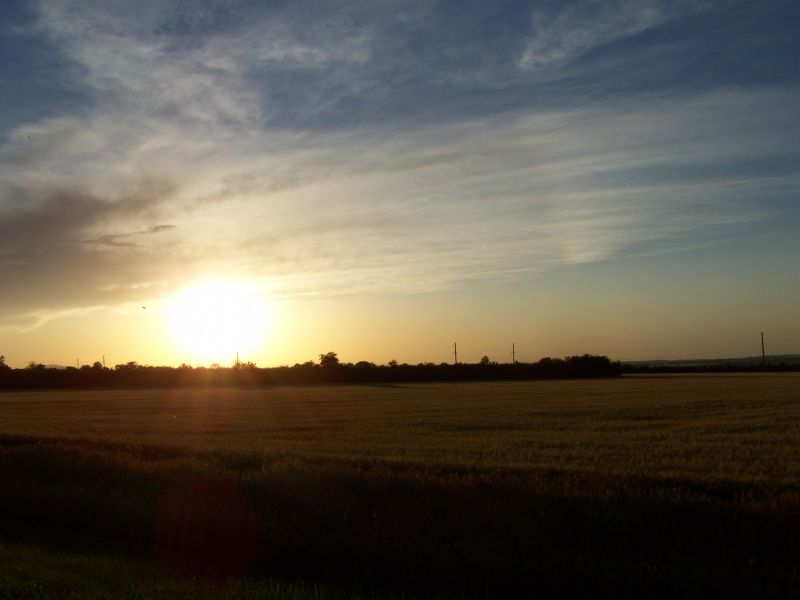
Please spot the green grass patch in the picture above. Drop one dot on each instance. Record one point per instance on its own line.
(28, 571)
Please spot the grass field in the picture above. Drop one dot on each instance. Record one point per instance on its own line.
(36, 572)
(659, 484)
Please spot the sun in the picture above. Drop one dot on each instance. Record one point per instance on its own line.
(216, 320)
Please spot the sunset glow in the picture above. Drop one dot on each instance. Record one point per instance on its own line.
(213, 321)
(610, 177)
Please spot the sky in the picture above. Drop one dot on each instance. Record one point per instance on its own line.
(181, 180)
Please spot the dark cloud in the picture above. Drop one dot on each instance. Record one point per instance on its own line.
(36, 220)
(48, 263)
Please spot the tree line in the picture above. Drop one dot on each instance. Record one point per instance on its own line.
(328, 370)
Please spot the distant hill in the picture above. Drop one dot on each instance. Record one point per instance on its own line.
(774, 359)
(774, 362)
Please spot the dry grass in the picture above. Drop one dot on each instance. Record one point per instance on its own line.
(685, 484)
(743, 427)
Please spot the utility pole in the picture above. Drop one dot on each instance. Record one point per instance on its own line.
(763, 354)
(455, 352)
(104, 361)
(237, 359)
(513, 353)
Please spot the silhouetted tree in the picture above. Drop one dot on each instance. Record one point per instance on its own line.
(128, 366)
(485, 360)
(3, 365)
(328, 370)
(329, 359)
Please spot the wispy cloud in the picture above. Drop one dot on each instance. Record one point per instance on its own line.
(562, 32)
(189, 126)
(126, 240)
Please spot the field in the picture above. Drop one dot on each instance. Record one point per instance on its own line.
(660, 484)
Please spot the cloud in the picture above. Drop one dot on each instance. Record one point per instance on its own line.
(49, 265)
(500, 199)
(561, 34)
(123, 239)
(212, 126)
(34, 222)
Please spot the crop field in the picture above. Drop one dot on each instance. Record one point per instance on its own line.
(673, 484)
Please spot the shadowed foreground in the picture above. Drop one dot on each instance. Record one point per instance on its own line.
(675, 485)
